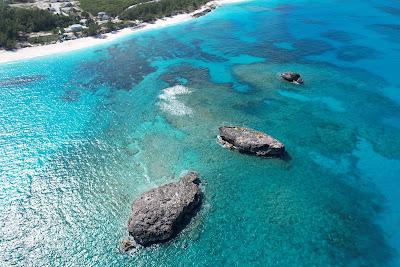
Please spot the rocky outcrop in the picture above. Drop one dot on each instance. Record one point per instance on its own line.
(292, 77)
(250, 141)
(161, 213)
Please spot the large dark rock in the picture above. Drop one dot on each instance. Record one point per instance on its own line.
(161, 213)
(250, 141)
(292, 77)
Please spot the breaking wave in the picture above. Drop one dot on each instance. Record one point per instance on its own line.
(169, 102)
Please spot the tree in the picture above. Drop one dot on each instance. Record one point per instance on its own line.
(16, 20)
(93, 28)
(85, 14)
(162, 8)
(110, 26)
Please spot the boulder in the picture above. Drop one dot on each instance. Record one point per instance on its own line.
(160, 214)
(250, 141)
(292, 77)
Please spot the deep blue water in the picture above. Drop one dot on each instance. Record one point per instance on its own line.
(84, 133)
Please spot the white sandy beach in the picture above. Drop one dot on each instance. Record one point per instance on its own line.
(67, 46)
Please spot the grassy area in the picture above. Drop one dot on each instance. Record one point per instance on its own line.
(112, 7)
(44, 39)
(162, 8)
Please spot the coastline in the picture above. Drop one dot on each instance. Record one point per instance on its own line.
(81, 43)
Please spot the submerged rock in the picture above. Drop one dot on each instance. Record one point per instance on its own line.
(161, 213)
(250, 141)
(126, 245)
(292, 77)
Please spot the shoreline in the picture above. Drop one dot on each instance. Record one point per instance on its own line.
(86, 42)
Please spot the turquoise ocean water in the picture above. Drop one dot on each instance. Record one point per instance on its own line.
(84, 133)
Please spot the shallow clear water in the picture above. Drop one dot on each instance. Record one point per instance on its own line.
(83, 134)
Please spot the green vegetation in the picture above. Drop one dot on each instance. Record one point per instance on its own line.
(111, 7)
(20, 1)
(154, 10)
(44, 39)
(111, 26)
(15, 22)
(85, 14)
(93, 28)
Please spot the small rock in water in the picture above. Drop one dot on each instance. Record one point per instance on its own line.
(292, 77)
(160, 214)
(250, 141)
(127, 245)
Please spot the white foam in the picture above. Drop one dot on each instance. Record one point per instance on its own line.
(170, 104)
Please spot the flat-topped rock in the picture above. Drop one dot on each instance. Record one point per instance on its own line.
(161, 213)
(292, 77)
(250, 141)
